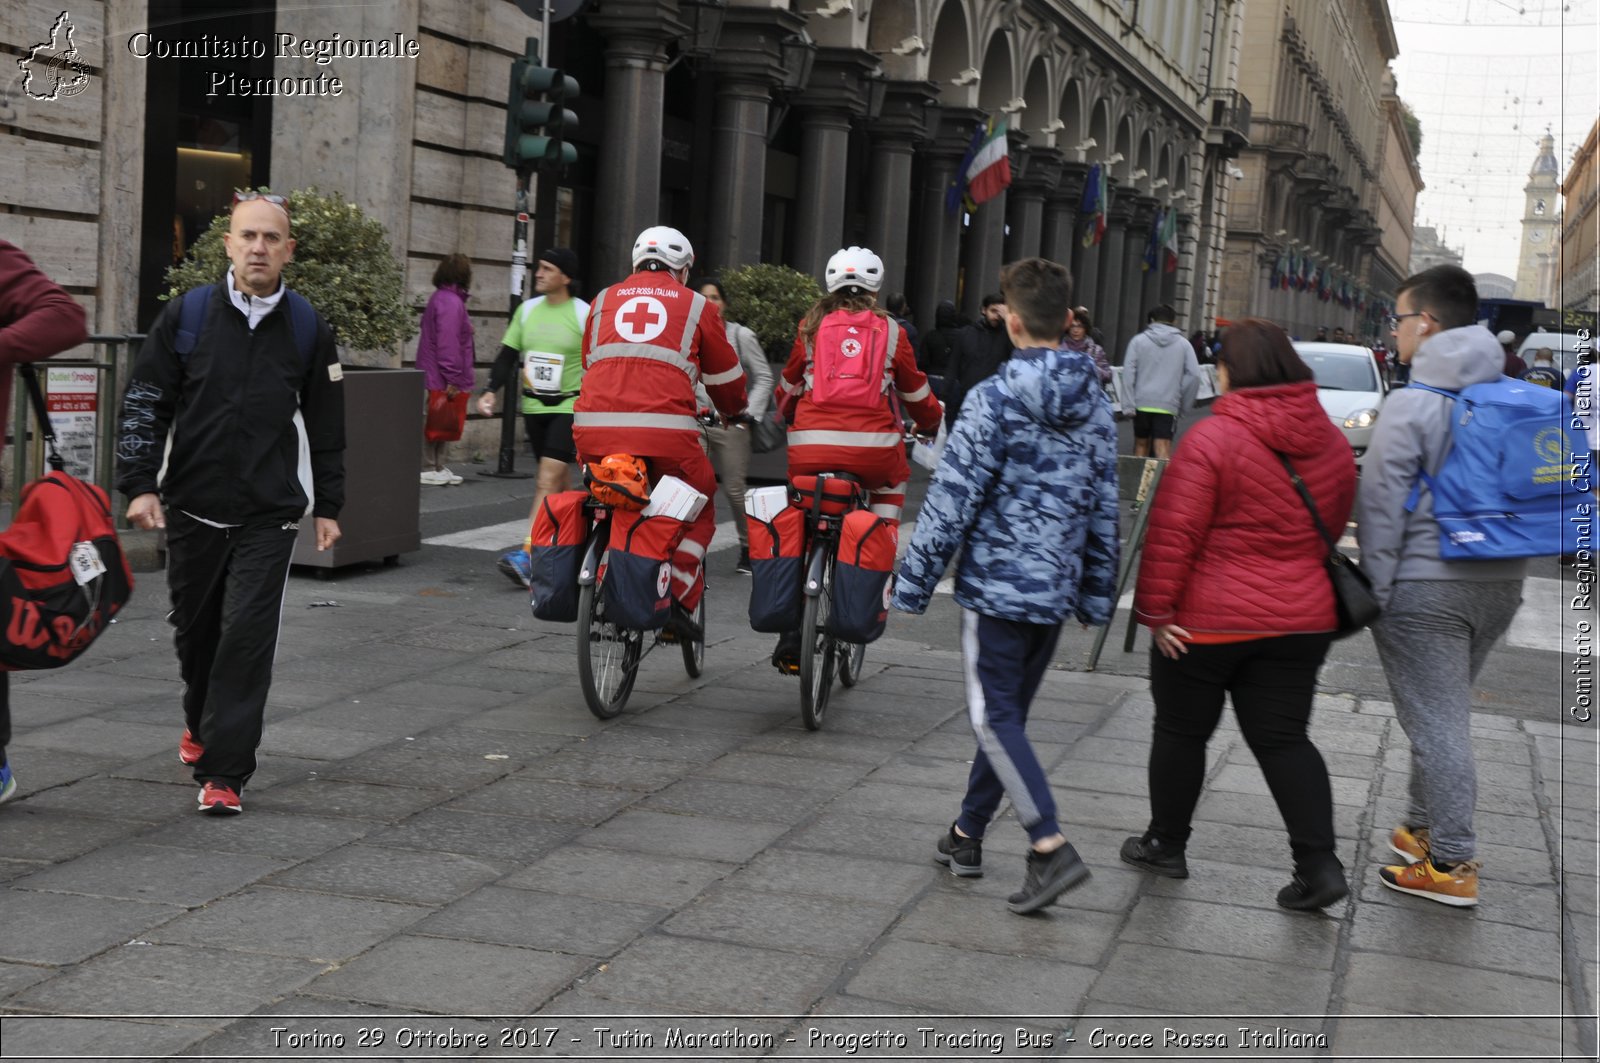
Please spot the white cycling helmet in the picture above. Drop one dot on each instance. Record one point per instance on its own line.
(854, 265)
(664, 244)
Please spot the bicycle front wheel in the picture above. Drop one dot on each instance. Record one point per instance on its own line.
(852, 656)
(608, 656)
(817, 651)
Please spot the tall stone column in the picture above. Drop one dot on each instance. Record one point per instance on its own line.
(1108, 303)
(985, 254)
(629, 185)
(748, 65)
(935, 272)
(896, 131)
(1131, 305)
(1058, 239)
(1026, 202)
(835, 96)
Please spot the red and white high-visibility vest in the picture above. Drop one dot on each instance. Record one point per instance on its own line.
(647, 342)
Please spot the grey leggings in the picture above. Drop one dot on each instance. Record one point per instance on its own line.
(1433, 638)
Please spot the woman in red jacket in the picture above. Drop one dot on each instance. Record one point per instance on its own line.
(1233, 589)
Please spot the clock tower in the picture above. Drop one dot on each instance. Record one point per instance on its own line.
(1541, 227)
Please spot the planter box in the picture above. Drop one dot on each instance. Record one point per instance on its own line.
(383, 448)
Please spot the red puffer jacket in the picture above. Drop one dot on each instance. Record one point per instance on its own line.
(1231, 547)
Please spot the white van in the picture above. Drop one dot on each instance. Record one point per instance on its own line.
(1564, 345)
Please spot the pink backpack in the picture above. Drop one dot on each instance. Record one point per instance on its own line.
(849, 362)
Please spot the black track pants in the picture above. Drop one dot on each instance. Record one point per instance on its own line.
(227, 589)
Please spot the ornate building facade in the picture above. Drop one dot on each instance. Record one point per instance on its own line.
(1577, 286)
(1319, 226)
(767, 130)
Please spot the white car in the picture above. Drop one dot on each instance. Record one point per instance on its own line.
(1350, 387)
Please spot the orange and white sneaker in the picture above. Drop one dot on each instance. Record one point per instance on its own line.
(1457, 887)
(219, 800)
(1410, 844)
(189, 748)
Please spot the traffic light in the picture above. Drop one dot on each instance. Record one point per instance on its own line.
(536, 121)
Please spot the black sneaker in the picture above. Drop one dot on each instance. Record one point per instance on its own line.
(963, 856)
(786, 654)
(1049, 876)
(1309, 890)
(1150, 854)
(743, 565)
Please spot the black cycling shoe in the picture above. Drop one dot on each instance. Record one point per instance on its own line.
(786, 654)
(681, 626)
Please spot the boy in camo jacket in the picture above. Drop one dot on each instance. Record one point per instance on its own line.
(1027, 491)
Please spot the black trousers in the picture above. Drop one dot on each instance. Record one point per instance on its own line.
(227, 589)
(1272, 682)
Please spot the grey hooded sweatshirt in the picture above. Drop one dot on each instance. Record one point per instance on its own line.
(1413, 432)
(1159, 371)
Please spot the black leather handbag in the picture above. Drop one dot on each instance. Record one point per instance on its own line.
(1353, 599)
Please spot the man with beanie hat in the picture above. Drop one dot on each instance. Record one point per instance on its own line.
(1515, 366)
(546, 337)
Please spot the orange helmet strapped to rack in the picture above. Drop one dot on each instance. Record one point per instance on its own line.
(619, 480)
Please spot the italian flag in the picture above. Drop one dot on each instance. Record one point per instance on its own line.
(1169, 242)
(990, 172)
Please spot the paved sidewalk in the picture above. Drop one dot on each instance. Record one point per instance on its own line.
(440, 829)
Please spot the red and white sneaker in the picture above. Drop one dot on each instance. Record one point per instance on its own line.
(219, 800)
(189, 748)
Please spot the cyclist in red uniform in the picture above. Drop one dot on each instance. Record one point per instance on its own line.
(868, 443)
(648, 340)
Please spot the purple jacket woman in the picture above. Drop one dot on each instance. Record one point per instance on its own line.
(444, 348)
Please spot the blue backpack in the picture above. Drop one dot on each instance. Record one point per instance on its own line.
(1517, 480)
(192, 318)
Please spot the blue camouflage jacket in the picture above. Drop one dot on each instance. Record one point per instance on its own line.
(1027, 490)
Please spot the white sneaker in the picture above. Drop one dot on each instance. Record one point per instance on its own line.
(450, 477)
(438, 479)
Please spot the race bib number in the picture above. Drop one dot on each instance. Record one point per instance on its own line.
(86, 563)
(541, 371)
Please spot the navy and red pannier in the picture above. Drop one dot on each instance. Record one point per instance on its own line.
(638, 580)
(777, 551)
(867, 545)
(556, 551)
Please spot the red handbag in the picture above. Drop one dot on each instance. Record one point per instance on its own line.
(447, 416)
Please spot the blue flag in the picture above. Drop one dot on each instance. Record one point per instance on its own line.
(958, 188)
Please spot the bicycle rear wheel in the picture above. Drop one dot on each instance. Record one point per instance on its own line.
(608, 656)
(694, 651)
(817, 651)
(852, 656)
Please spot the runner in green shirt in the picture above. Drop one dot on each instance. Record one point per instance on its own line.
(545, 338)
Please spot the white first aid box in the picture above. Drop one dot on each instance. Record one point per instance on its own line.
(764, 503)
(671, 497)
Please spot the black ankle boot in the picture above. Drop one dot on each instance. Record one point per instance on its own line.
(1314, 888)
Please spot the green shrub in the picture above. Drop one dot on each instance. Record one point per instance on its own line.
(342, 263)
(769, 300)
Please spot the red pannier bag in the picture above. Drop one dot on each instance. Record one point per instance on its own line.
(556, 551)
(777, 552)
(638, 580)
(62, 572)
(867, 545)
(837, 494)
(447, 416)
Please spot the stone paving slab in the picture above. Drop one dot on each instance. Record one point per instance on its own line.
(1180, 982)
(391, 874)
(93, 1038)
(158, 874)
(616, 875)
(960, 981)
(42, 928)
(553, 922)
(139, 978)
(281, 922)
(451, 977)
(727, 978)
(786, 921)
